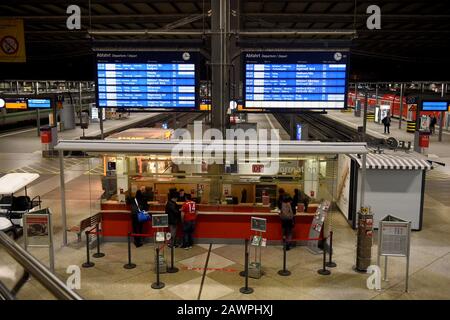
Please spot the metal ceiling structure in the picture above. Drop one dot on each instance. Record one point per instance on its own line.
(411, 30)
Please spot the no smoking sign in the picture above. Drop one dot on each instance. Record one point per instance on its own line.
(9, 45)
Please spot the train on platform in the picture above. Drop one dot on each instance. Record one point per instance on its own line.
(393, 100)
(11, 117)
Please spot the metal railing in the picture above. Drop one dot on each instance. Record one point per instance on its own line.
(36, 269)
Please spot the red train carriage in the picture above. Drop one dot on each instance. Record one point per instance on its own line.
(409, 110)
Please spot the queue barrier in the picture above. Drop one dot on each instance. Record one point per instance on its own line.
(98, 254)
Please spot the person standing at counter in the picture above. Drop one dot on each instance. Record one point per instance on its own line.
(189, 209)
(281, 194)
(287, 220)
(295, 200)
(137, 204)
(174, 215)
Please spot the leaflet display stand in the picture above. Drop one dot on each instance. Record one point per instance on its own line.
(259, 225)
(317, 226)
(161, 238)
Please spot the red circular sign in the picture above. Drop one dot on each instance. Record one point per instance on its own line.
(9, 45)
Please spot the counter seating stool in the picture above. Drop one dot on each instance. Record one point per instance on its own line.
(84, 224)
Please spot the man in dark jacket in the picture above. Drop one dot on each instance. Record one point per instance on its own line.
(174, 215)
(138, 203)
(387, 123)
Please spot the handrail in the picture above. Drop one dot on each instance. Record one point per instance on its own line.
(37, 270)
(5, 294)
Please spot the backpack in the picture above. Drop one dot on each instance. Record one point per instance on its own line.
(286, 211)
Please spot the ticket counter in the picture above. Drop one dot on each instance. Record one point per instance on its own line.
(215, 223)
(224, 212)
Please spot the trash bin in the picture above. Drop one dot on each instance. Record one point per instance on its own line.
(49, 137)
(424, 139)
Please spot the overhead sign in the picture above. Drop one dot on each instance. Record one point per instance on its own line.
(435, 105)
(12, 41)
(156, 80)
(19, 103)
(39, 103)
(295, 80)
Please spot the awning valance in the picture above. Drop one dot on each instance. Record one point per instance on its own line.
(393, 162)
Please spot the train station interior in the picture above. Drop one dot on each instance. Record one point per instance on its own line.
(224, 150)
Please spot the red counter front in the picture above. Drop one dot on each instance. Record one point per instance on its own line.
(213, 222)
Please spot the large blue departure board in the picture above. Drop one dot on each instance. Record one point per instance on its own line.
(295, 80)
(157, 80)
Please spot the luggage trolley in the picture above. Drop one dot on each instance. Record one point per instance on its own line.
(160, 222)
(12, 208)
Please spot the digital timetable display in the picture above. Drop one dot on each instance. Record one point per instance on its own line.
(39, 103)
(435, 105)
(295, 80)
(157, 80)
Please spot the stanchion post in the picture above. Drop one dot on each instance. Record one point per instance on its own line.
(98, 254)
(331, 263)
(129, 265)
(88, 263)
(242, 273)
(246, 289)
(324, 270)
(157, 284)
(172, 269)
(284, 272)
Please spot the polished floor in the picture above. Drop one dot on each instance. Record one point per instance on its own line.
(429, 269)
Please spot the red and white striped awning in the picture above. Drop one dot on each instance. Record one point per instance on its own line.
(393, 162)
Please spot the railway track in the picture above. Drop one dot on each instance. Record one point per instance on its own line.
(325, 129)
(182, 120)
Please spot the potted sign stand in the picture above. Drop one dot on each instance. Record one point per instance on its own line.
(160, 222)
(259, 225)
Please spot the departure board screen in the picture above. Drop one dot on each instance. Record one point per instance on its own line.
(153, 80)
(39, 103)
(295, 80)
(435, 105)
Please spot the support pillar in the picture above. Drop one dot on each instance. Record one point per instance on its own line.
(219, 62)
(401, 106)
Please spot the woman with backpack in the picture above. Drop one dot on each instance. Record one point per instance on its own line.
(287, 220)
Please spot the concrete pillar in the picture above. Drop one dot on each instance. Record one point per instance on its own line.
(311, 181)
(67, 116)
(122, 178)
(441, 122)
(219, 62)
(401, 106)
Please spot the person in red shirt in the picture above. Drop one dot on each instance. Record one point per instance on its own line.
(189, 210)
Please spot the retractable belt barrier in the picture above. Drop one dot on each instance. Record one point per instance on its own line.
(98, 254)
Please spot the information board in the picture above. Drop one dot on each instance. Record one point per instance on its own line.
(16, 103)
(295, 80)
(160, 220)
(39, 103)
(154, 80)
(258, 224)
(435, 105)
(394, 238)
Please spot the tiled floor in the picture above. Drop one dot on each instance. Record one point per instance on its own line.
(429, 272)
(429, 269)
